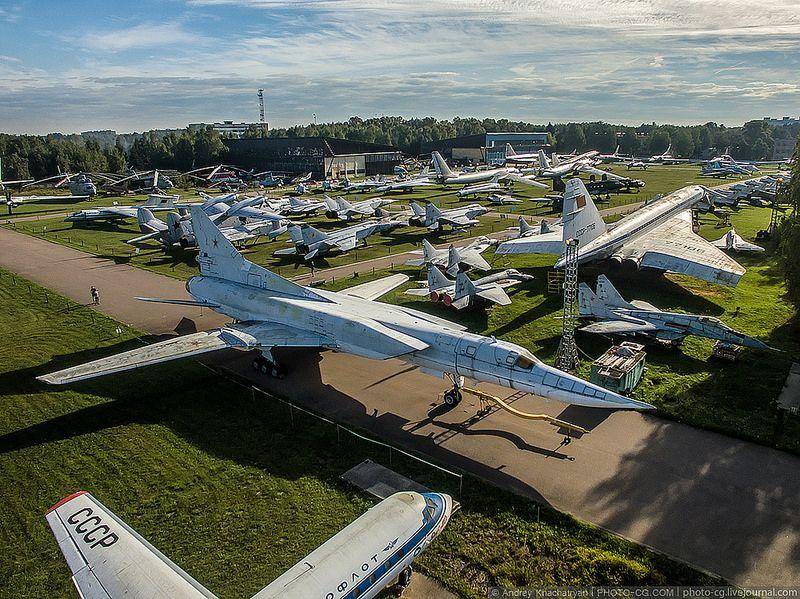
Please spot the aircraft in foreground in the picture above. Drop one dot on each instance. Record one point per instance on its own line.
(312, 243)
(464, 293)
(120, 213)
(452, 259)
(269, 311)
(109, 560)
(619, 317)
(436, 219)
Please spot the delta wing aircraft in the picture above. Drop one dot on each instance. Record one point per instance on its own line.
(464, 293)
(312, 243)
(269, 311)
(436, 219)
(109, 560)
(451, 260)
(620, 317)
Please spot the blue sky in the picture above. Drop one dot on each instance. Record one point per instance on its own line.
(79, 65)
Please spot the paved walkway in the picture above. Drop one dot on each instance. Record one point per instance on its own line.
(726, 505)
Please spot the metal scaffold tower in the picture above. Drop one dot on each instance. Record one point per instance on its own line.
(567, 358)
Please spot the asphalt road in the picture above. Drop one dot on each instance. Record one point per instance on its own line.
(725, 505)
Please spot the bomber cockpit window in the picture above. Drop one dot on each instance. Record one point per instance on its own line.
(524, 362)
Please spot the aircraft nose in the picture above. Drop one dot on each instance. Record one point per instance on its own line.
(563, 386)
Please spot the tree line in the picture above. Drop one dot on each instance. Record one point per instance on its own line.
(30, 156)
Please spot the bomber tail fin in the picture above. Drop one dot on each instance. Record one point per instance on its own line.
(218, 258)
(543, 161)
(440, 165)
(582, 220)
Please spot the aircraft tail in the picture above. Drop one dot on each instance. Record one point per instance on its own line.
(588, 304)
(331, 205)
(440, 165)
(108, 558)
(543, 161)
(432, 213)
(428, 251)
(510, 150)
(608, 295)
(343, 204)
(581, 217)
(465, 288)
(312, 235)
(159, 201)
(453, 260)
(145, 219)
(524, 227)
(218, 258)
(416, 209)
(436, 279)
(176, 228)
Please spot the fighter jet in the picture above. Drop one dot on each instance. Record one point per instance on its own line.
(464, 293)
(544, 239)
(659, 236)
(447, 177)
(312, 243)
(344, 210)
(617, 316)
(453, 259)
(109, 560)
(178, 230)
(120, 213)
(269, 311)
(732, 241)
(435, 219)
(407, 184)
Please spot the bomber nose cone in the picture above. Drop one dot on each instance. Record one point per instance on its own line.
(563, 386)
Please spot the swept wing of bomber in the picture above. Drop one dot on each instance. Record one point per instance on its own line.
(463, 292)
(451, 259)
(619, 317)
(269, 311)
(109, 560)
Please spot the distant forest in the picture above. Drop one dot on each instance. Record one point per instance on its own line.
(32, 156)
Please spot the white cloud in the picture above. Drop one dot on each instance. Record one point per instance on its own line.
(144, 35)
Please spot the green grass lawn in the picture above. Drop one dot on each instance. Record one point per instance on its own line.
(221, 481)
(685, 384)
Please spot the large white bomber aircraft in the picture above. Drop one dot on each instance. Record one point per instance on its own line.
(659, 235)
(109, 560)
(270, 311)
(447, 177)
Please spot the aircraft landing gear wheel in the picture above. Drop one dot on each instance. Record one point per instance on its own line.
(452, 397)
(405, 578)
(268, 367)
